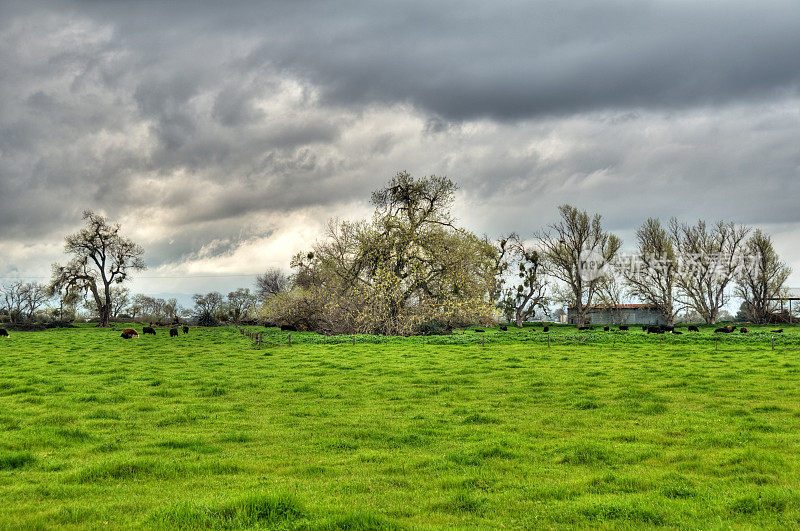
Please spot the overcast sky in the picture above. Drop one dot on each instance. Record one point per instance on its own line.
(223, 136)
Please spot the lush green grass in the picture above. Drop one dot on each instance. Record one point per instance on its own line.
(204, 430)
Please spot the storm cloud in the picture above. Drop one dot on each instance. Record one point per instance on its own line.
(224, 136)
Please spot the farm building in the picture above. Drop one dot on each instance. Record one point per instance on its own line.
(631, 314)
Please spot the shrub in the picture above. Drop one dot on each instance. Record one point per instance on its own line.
(206, 319)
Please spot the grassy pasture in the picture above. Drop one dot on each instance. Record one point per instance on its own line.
(204, 430)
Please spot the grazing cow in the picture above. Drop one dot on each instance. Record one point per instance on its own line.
(149, 330)
(173, 332)
(677, 333)
(693, 329)
(129, 333)
(655, 330)
(743, 330)
(480, 330)
(185, 329)
(504, 328)
(667, 328)
(779, 331)
(4, 333)
(545, 329)
(584, 328)
(645, 328)
(725, 330)
(288, 328)
(606, 329)
(623, 328)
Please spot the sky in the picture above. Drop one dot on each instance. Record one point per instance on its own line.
(223, 136)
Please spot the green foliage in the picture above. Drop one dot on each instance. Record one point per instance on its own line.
(407, 265)
(207, 319)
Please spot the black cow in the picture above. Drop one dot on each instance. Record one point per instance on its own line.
(288, 328)
(185, 329)
(693, 329)
(677, 333)
(623, 327)
(779, 331)
(655, 330)
(584, 328)
(606, 329)
(726, 330)
(645, 328)
(667, 328)
(480, 330)
(743, 330)
(148, 330)
(504, 328)
(4, 333)
(546, 329)
(173, 332)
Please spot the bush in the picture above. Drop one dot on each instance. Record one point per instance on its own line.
(206, 319)
(434, 327)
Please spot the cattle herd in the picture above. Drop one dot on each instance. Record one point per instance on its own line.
(130, 333)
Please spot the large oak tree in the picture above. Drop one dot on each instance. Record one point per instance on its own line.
(101, 258)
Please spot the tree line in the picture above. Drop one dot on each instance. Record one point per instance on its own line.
(410, 268)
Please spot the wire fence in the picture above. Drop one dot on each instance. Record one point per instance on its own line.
(633, 338)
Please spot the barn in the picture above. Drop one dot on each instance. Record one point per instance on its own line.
(630, 314)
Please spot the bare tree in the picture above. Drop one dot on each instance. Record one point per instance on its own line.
(763, 280)
(171, 309)
(101, 257)
(120, 298)
(710, 258)
(651, 277)
(208, 303)
(528, 291)
(21, 300)
(14, 300)
(240, 304)
(36, 295)
(270, 283)
(611, 293)
(578, 251)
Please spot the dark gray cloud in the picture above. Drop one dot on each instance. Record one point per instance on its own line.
(219, 131)
(511, 61)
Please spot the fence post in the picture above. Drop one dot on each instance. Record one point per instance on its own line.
(290, 340)
(354, 340)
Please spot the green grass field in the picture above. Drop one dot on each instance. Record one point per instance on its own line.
(204, 430)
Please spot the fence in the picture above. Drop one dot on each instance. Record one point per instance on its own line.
(613, 339)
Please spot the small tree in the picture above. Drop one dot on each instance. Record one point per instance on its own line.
(269, 284)
(209, 303)
(578, 251)
(120, 298)
(528, 291)
(21, 300)
(240, 303)
(101, 257)
(763, 280)
(653, 277)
